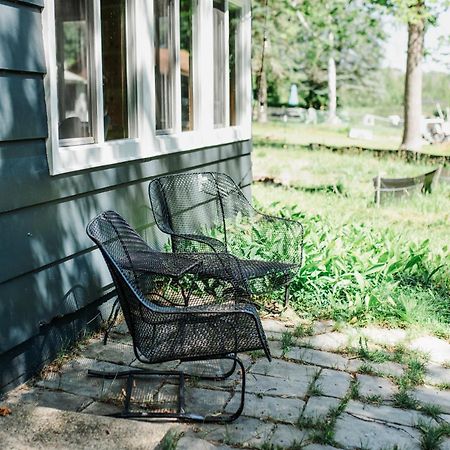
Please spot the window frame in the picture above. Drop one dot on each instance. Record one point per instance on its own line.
(147, 142)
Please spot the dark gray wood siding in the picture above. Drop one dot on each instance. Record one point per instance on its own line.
(52, 280)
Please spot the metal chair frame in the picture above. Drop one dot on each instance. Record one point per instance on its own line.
(190, 206)
(172, 313)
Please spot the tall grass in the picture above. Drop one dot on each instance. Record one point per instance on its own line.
(362, 263)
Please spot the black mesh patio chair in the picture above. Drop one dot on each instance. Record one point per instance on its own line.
(172, 314)
(208, 213)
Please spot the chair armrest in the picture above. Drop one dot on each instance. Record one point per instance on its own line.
(196, 243)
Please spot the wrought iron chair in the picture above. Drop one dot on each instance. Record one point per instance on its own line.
(172, 314)
(208, 213)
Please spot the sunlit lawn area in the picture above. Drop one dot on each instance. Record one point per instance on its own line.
(384, 137)
(389, 264)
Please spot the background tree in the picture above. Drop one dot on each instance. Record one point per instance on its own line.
(273, 48)
(417, 14)
(323, 45)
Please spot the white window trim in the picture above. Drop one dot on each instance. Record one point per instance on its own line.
(149, 144)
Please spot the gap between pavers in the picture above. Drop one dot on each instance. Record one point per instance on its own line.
(387, 414)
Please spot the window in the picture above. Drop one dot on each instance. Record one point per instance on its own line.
(234, 45)
(220, 63)
(186, 64)
(227, 27)
(164, 64)
(131, 79)
(73, 67)
(80, 82)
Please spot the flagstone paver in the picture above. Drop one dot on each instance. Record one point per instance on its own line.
(263, 385)
(272, 408)
(245, 432)
(333, 383)
(318, 447)
(284, 369)
(305, 383)
(437, 349)
(376, 386)
(115, 352)
(323, 326)
(194, 443)
(437, 375)
(331, 342)
(384, 336)
(433, 396)
(286, 436)
(319, 407)
(318, 358)
(387, 368)
(356, 433)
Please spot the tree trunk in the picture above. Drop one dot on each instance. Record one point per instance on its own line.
(412, 130)
(332, 101)
(262, 98)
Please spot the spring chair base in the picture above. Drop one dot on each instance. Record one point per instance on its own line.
(181, 413)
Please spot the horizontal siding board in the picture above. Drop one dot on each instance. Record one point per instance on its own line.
(40, 295)
(22, 107)
(21, 44)
(25, 360)
(23, 165)
(44, 234)
(29, 302)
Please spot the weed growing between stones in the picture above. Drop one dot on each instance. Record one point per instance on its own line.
(354, 390)
(256, 354)
(170, 440)
(432, 436)
(443, 386)
(433, 411)
(374, 399)
(303, 330)
(287, 341)
(367, 369)
(376, 356)
(314, 388)
(404, 400)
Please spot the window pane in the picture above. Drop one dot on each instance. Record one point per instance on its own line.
(187, 115)
(235, 20)
(220, 70)
(114, 59)
(164, 67)
(72, 56)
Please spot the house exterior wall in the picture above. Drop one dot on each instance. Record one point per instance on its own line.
(53, 282)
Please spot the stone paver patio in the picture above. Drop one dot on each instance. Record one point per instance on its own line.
(317, 394)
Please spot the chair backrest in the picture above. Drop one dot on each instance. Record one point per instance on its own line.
(121, 248)
(194, 203)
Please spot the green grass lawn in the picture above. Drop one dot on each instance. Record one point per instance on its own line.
(388, 265)
(385, 137)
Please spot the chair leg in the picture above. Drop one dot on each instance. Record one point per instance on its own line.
(181, 413)
(286, 296)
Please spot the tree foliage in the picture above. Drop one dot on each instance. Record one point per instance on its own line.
(301, 35)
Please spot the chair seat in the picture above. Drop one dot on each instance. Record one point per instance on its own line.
(250, 268)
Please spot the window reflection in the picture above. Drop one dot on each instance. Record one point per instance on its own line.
(187, 106)
(164, 64)
(114, 61)
(220, 69)
(235, 13)
(73, 78)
